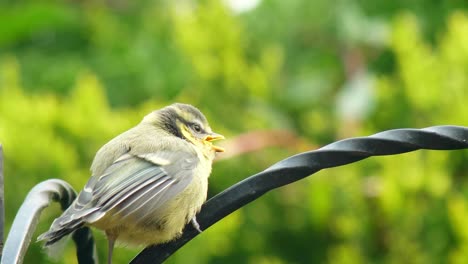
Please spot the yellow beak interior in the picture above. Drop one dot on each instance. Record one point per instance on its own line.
(212, 137)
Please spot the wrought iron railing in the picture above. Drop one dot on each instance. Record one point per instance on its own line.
(289, 170)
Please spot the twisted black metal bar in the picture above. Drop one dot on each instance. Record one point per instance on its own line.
(302, 165)
(26, 220)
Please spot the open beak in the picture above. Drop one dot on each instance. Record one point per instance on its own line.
(212, 137)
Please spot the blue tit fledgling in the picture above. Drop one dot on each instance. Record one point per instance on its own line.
(146, 183)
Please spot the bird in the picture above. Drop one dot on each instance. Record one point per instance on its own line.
(147, 183)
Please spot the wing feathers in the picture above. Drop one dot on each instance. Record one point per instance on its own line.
(134, 185)
(151, 194)
(119, 197)
(124, 185)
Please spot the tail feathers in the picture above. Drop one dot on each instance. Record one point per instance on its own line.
(68, 222)
(56, 238)
(72, 219)
(58, 230)
(54, 235)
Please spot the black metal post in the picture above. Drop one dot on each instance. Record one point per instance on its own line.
(2, 205)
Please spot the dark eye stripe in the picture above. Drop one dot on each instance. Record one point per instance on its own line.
(169, 119)
(192, 125)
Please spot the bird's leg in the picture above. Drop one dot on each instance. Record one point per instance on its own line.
(110, 246)
(195, 224)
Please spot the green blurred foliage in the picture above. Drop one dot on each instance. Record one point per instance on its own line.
(73, 74)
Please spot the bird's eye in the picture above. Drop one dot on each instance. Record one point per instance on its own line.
(197, 128)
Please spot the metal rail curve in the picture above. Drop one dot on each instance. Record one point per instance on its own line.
(26, 220)
(302, 165)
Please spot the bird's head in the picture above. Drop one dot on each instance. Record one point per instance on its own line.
(186, 122)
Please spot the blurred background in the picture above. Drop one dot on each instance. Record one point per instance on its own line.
(276, 78)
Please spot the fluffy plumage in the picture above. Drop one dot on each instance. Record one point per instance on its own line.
(146, 183)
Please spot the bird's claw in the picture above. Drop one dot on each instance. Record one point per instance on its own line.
(195, 224)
